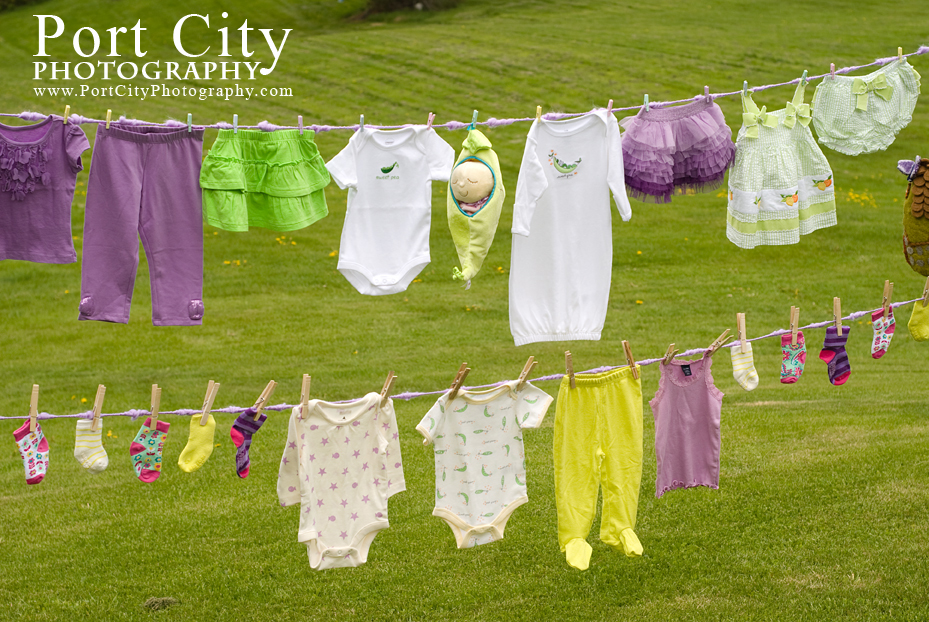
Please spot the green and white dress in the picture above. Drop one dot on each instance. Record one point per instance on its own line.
(780, 186)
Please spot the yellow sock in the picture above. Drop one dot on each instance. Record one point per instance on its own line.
(743, 367)
(199, 445)
(88, 448)
(577, 552)
(919, 322)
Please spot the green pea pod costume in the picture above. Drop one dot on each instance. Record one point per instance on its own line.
(916, 215)
(474, 234)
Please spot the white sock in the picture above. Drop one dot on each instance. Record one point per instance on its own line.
(743, 367)
(88, 448)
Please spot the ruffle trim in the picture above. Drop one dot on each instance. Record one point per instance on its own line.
(860, 145)
(288, 179)
(677, 484)
(22, 168)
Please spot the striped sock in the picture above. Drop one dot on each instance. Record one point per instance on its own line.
(88, 447)
(836, 357)
(33, 449)
(883, 332)
(743, 366)
(146, 450)
(241, 433)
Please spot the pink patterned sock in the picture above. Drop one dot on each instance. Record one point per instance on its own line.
(33, 448)
(883, 332)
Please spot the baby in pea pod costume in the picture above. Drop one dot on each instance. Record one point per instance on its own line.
(916, 214)
(475, 200)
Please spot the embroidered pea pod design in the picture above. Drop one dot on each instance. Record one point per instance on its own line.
(562, 167)
(481, 491)
(462, 409)
(485, 453)
(526, 416)
(518, 437)
(431, 423)
(488, 515)
(463, 468)
(438, 494)
(484, 471)
(529, 401)
(464, 439)
(504, 423)
(387, 169)
(466, 498)
(440, 451)
(502, 478)
(443, 475)
(441, 409)
(507, 448)
(438, 436)
(478, 431)
(487, 412)
(519, 482)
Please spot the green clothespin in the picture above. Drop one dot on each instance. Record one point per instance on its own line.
(473, 121)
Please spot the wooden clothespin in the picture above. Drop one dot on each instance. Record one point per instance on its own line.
(429, 121)
(211, 389)
(304, 395)
(718, 343)
(98, 406)
(645, 105)
(190, 122)
(463, 372)
(156, 404)
(669, 355)
(527, 368)
(740, 329)
(794, 324)
(263, 399)
(388, 385)
(34, 407)
(832, 70)
(837, 315)
(888, 293)
(630, 360)
(569, 368)
(64, 120)
(300, 123)
(109, 113)
(538, 113)
(926, 293)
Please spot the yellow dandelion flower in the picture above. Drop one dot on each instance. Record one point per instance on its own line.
(638, 252)
(217, 445)
(333, 253)
(417, 280)
(83, 400)
(227, 262)
(67, 291)
(639, 302)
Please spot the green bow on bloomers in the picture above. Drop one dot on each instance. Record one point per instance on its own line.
(753, 119)
(878, 85)
(794, 112)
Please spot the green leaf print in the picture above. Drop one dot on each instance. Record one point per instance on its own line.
(467, 500)
(484, 471)
(464, 440)
(487, 412)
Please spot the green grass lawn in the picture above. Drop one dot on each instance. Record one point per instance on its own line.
(824, 491)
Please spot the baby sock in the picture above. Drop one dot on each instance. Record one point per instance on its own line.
(199, 445)
(241, 433)
(794, 358)
(836, 357)
(577, 553)
(919, 322)
(33, 448)
(743, 367)
(88, 448)
(883, 332)
(146, 450)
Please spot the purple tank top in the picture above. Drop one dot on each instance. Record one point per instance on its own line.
(686, 409)
(38, 170)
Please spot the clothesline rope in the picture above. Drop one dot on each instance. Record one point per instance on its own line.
(235, 410)
(457, 125)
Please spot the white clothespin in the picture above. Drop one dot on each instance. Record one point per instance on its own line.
(235, 124)
(803, 77)
(300, 123)
(832, 70)
(34, 407)
(645, 105)
(745, 88)
(388, 385)
(630, 359)
(98, 406)
(211, 389)
(190, 122)
(569, 368)
(64, 121)
(109, 113)
(304, 395)
(837, 315)
(361, 124)
(706, 94)
(156, 404)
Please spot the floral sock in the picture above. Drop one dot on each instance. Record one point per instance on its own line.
(146, 450)
(33, 448)
(88, 448)
(919, 322)
(743, 367)
(241, 433)
(883, 332)
(794, 358)
(836, 357)
(199, 445)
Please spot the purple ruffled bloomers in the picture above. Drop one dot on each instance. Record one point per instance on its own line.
(684, 148)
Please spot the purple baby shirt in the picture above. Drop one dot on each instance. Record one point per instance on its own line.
(687, 411)
(38, 172)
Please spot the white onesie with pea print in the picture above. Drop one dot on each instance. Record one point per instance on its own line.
(480, 466)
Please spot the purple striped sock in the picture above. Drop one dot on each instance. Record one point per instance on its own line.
(242, 430)
(836, 357)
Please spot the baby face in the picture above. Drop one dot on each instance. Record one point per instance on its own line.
(471, 181)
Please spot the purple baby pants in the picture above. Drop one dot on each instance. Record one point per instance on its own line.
(144, 183)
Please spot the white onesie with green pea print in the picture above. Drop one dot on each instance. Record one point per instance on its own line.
(480, 465)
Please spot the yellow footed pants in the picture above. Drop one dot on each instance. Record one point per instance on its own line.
(598, 442)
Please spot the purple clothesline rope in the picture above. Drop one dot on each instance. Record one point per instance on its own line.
(235, 410)
(456, 125)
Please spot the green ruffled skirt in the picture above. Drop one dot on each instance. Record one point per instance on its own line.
(254, 178)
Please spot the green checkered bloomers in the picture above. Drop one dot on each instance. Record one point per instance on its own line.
(855, 115)
(264, 179)
(780, 186)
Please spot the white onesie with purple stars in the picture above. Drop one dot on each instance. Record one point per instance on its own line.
(341, 463)
(480, 466)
